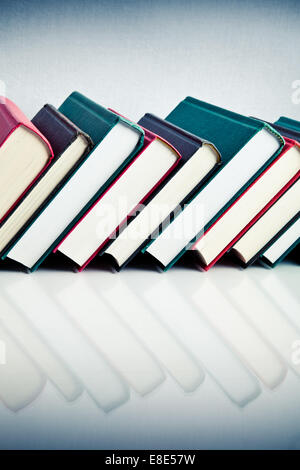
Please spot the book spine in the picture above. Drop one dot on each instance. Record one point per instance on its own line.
(59, 134)
(12, 117)
(92, 118)
(149, 137)
(8, 123)
(231, 115)
(184, 144)
(288, 123)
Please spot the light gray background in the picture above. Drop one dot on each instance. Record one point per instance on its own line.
(139, 57)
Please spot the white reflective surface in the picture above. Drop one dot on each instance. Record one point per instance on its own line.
(141, 359)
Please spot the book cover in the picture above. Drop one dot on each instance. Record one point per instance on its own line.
(227, 130)
(149, 138)
(283, 229)
(61, 133)
(11, 118)
(288, 128)
(187, 145)
(291, 130)
(288, 124)
(97, 122)
(259, 256)
(294, 249)
(231, 133)
(58, 129)
(289, 144)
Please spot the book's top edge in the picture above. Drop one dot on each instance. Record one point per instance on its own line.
(287, 134)
(11, 117)
(58, 129)
(213, 109)
(185, 142)
(288, 123)
(68, 123)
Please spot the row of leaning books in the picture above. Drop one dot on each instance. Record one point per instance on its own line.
(83, 180)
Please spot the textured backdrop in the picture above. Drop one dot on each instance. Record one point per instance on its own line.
(140, 56)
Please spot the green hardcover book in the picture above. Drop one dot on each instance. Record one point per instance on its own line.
(247, 147)
(117, 141)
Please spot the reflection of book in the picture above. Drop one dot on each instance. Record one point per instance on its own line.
(47, 361)
(170, 353)
(186, 322)
(263, 314)
(111, 336)
(100, 381)
(283, 295)
(250, 346)
(279, 327)
(20, 381)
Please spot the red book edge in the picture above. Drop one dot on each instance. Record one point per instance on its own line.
(288, 145)
(11, 117)
(149, 138)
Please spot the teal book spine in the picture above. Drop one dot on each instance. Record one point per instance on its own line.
(227, 130)
(89, 116)
(97, 122)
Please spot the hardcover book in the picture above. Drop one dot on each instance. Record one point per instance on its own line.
(290, 125)
(116, 140)
(111, 211)
(247, 147)
(24, 154)
(285, 239)
(281, 247)
(69, 145)
(270, 227)
(198, 160)
(289, 240)
(250, 206)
